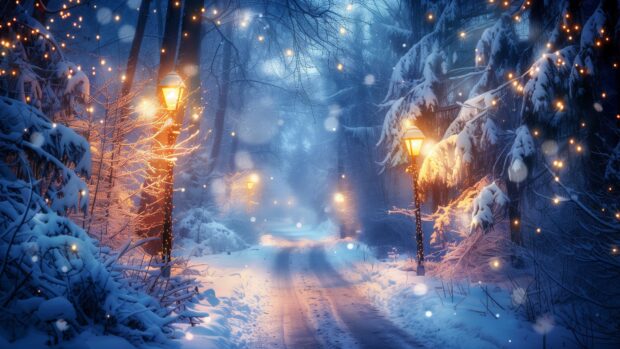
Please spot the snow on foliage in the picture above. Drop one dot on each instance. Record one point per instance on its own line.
(589, 56)
(410, 66)
(486, 206)
(440, 166)
(55, 86)
(522, 148)
(451, 223)
(199, 235)
(27, 131)
(421, 98)
(546, 93)
(496, 50)
(47, 256)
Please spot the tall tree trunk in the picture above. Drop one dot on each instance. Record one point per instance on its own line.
(155, 203)
(222, 101)
(189, 57)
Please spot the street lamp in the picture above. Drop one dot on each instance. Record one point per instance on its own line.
(414, 138)
(171, 88)
(252, 180)
(339, 198)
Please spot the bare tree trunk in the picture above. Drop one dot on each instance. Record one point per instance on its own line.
(222, 102)
(189, 57)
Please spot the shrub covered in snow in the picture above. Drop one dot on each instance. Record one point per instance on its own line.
(53, 276)
(198, 234)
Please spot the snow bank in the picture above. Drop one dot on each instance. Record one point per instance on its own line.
(449, 314)
(199, 234)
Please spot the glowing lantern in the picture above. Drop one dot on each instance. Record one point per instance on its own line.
(253, 179)
(413, 138)
(172, 88)
(339, 198)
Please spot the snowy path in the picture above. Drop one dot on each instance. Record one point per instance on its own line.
(314, 307)
(304, 288)
(365, 323)
(296, 331)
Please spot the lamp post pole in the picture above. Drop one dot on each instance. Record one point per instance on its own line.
(172, 89)
(419, 238)
(413, 139)
(168, 200)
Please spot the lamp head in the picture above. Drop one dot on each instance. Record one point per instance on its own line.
(172, 88)
(413, 138)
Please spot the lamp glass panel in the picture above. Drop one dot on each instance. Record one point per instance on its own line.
(172, 95)
(414, 146)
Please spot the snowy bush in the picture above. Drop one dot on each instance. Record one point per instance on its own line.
(199, 234)
(45, 255)
(43, 78)
(487, 206)
(522, 148)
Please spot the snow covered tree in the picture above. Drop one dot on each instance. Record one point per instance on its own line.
(54, 277)
(541, 125)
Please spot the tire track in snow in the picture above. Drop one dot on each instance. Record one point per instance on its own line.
(296, 332)
(364, 322)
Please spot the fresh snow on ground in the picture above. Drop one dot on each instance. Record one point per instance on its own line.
(425, 307)
(440, 314)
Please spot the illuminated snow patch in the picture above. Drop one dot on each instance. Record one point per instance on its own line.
(420, 289)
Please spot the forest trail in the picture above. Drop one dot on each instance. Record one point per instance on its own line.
(366, 324)
(313, 306)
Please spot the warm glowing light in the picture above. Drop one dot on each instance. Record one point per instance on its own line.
(430, 17)
(340, 67)
(253, 180)
(556, 200)
(342, 30)
(559, 105)
(413, 138)
(538, 230)
(462, 35)
(495, 263)
(339, 198)
(172, 87)
(147, 109)
(289, 52)
(74, 247)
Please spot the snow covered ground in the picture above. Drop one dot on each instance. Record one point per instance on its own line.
(437, 314)
(443, 314)
(271, 293)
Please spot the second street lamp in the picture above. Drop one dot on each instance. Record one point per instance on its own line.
(171, 89)
(414, 138)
